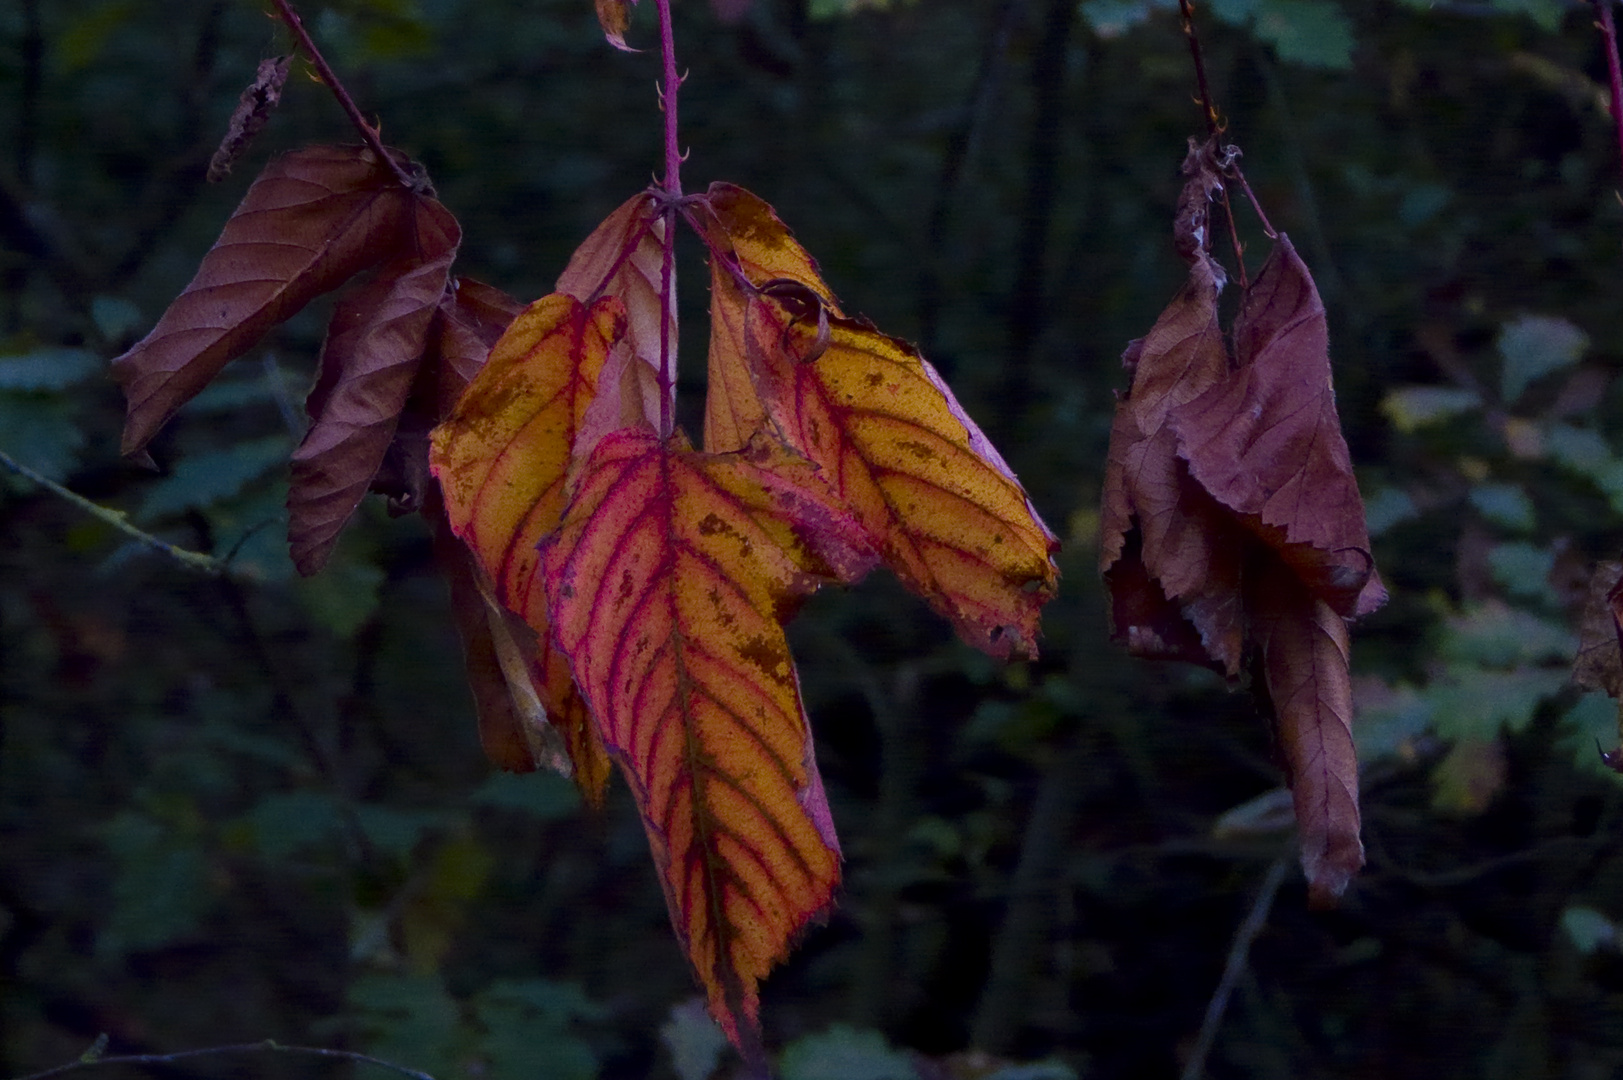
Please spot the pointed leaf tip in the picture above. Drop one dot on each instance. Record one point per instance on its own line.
(668, 583)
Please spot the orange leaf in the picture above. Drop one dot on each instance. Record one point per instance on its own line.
(614, 16)
(748, 243)
(503, 456)
(312, 220)
(625, 257)
(374, 346)
(1304, 651)
(502, 459)
(1186, 551)
(945, 510)
(669, 582)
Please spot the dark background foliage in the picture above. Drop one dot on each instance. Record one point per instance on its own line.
(255, 807)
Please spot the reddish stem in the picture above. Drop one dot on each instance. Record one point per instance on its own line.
(347, 103)
(1187, 7)
(672, 186)
(1214, 128)
(1608, 35)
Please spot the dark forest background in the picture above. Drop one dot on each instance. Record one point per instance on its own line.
(254, 806)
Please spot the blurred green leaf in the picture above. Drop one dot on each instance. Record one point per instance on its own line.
(1413, 407)
(48, 369)
(115, 317)
(1589, 930)
(200, 480)
(1534, 346)
(845, 1053)
(290, 822)
(1315, 33)
(1496, 635)
(544, 795)
(42, 432)
(1387, 507)
(1592, 726)
(407, 1019)
(161, 891)
(343, 596)
(1475, 704)
(1506, 505)
(1523, 570)
(1546, 13)
(695, 1042)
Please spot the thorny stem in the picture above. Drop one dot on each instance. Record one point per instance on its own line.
(670, 83)
(192, 560)
(94, 1056)
(347, 103)
(1608, 35)
(1214, 128)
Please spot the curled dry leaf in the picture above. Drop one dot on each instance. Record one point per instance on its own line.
(614, 16)
(947, 513)
(669, 582)
(1168, 551)
(375, 344)
(749, 246)
(1304, 651)
(311, 221)
(1232, 524)
(252, 112)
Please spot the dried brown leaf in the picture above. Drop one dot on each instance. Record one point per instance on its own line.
(311, 221)
(1303, 651)
(1266, 441)
(376, 341)
(1159, 528)
(1599, 664)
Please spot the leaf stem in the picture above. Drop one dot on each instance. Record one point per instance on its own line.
(1187, 9)
(670, 83)
(347, 103)
(1614, 70)
(192, 560)
(94, 1056)
(1214, 128)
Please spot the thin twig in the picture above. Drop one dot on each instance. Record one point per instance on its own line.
(1239, 954)
(94, 1056)
(330, 77)
(1608, 36)
(192, 560)
(1214, 128)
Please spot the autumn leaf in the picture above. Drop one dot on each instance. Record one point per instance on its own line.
(374, 345)
(312, 220)
(624, 257)
(947, 513)
(1266, 441)
(513, 724)
(472, 317)
(502, 459)
(614, 16)
(1232, 531)
(1167, 550)
(749, 246)
(669, 582)
(1304, 654)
